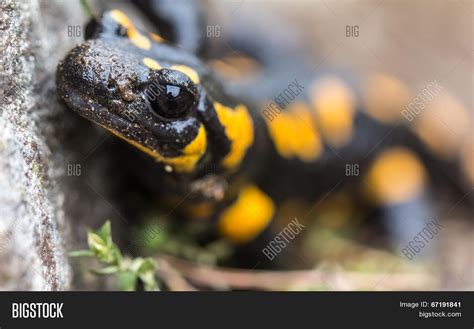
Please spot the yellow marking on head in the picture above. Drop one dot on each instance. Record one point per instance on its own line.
(120, 17)
(155, 37)
(334, 103)
(385, 97)
(248, 216)
(182, 163)
(238, 127)
(151, 63)
(198, 145)
(444, 125)
(396, 176)
(133, 34)
(294, 134)
(191, 73)
(139, 40)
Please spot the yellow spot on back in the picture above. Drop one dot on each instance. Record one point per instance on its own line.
(138, 39)
(191, 73)
(294, 134)
(444, 125)
(385, 97)
(396, 176)
(183, 163)
(151, 63)
(248, 216)
(238, 127)
(334, 103)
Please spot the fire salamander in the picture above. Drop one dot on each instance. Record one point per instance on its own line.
(235, 160)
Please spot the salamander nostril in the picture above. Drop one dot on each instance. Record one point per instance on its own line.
(169, 101)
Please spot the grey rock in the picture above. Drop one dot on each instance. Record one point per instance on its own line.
(34, 230)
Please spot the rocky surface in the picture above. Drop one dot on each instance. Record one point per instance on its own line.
(33, 226)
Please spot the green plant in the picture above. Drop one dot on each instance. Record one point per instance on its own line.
(130, 272)
(86, 6)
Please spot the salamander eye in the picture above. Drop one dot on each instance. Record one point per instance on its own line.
(169, 101)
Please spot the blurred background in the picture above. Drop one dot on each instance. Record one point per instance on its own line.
(401, 47)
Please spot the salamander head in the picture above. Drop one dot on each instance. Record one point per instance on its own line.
(158, 98)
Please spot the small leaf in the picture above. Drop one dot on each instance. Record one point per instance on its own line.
(95, 242)
(106, 270)
(105, 232)
(142, 265)
(86, 6)
(116, 254)
(147, 265)
(81, 253)
(127, 280)
(136, 264)
(146, 273)
(128, 271)
(149, 281)
(98, 247)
